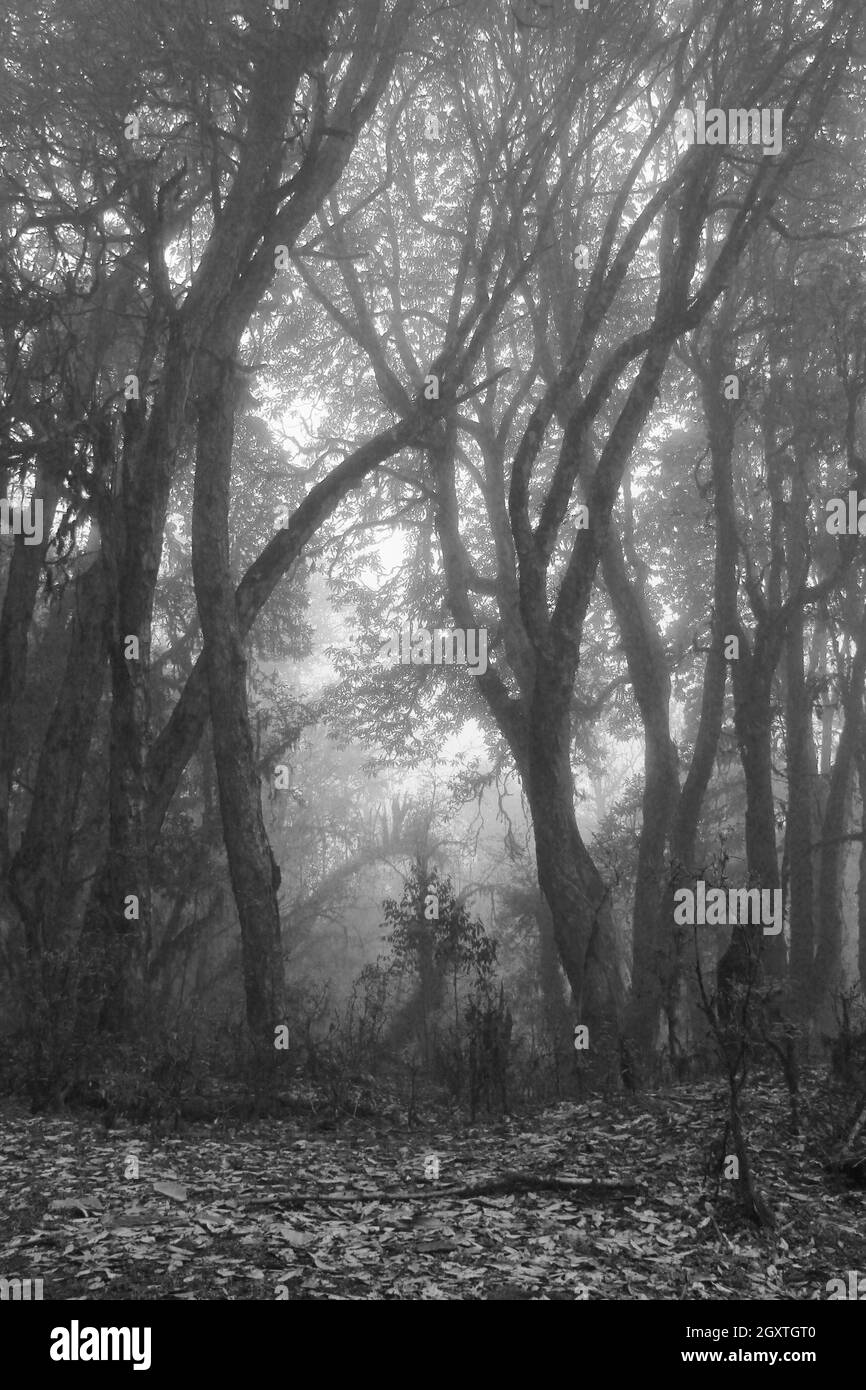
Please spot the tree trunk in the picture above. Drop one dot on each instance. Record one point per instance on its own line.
(827, 971)
(578, 899)
(116, 934)
(752, 671)
(680, 996)
(550, 979)
(650, 679)
(37, 875)
(19, 599)
(861, 885)
(799, 753)
(252, 868)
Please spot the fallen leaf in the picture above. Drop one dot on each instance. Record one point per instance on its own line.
(172, 1190)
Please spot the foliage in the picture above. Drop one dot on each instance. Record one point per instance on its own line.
(429, 911)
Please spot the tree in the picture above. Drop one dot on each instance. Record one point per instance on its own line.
(246, 120)
(599, 395)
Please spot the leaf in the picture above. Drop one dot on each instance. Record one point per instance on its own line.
(132, 1219)
(172, 1190)
(297, 1239)
(72, 1204)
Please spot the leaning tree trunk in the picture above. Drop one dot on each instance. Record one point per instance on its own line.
(538, 732)
(578, 899)
(253, 871)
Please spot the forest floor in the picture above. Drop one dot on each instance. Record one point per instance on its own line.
(307, 1209)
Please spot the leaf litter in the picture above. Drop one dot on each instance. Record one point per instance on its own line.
(602, 1200)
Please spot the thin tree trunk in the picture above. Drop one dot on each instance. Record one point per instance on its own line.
(650, 679)
(861, 886)
(19, 600)
(800, 752)
(752, 671)
(680, 1000)
(827, 971)
(252, 868)
(37, 875)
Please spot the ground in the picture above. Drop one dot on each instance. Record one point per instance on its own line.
(323, 1208)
